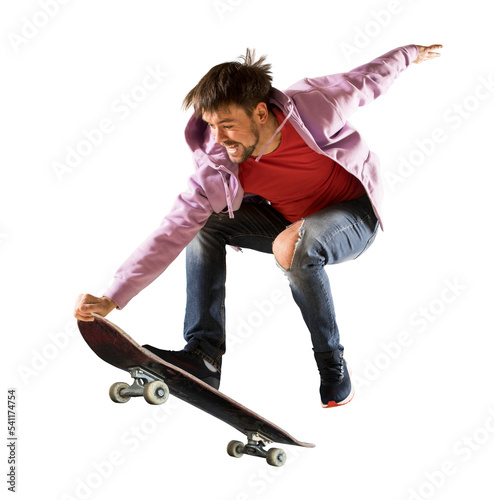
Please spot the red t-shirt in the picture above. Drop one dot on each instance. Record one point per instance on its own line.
(295, 179)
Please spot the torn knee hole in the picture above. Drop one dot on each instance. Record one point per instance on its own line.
(285, 258)
(285, 245)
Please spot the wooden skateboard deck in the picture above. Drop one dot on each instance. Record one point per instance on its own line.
(117, 348)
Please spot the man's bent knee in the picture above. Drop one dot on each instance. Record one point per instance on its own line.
(285, 243)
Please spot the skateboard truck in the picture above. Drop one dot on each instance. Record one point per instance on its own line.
(146, 384)
(154, 378)
(155, 391)
(256, 447)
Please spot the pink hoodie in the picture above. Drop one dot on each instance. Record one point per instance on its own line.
(318, 108)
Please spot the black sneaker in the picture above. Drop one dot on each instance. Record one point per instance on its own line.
(191, 362)
(336, 387)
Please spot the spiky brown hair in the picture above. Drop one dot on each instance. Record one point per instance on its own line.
(245, 84)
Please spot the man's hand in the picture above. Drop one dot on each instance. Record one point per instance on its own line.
(87, 304)
(426, 53)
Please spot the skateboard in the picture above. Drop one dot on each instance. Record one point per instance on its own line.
(155, 379)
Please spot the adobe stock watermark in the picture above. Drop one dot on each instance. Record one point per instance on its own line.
(40, 358)
(130, 441)
(418, 322)
(32, 25)
(261, 310)
(379, 21)
(55, 343)
(462, 452)
(225, 7)
(122, 107)
(260, 481)
(453, 118)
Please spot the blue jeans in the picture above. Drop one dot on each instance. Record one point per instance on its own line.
(332, 235)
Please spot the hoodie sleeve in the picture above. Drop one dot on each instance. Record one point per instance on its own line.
(334, 98)
(189, 213)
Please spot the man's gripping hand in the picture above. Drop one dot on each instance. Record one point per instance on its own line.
(426, 53)
(87, 304)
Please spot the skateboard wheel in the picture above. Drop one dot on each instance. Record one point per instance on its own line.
(156, 393)
(276, 457)
(235, 449)
(115, 392)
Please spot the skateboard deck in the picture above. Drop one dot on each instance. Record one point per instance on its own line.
(154, 377)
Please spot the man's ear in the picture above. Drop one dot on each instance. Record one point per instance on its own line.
(261, 113)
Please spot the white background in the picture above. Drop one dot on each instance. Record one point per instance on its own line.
(422, 422)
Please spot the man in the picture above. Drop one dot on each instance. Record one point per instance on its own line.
(277, 172)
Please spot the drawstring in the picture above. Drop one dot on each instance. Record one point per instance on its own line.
(222, 169)
(290, 111)
(228, 192)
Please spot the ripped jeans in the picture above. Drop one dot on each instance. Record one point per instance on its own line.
(332, 235)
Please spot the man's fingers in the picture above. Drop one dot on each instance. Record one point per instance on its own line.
(429, 54)
(85, 305)
(84, 311)
(83, 317)
(426, 53)
(90, 307)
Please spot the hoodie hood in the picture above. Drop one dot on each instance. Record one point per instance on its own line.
(207, 152)
(199, 137)
(287, 108)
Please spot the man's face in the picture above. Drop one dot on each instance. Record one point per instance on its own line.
(235, 130)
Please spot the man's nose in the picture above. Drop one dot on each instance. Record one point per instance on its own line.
(219, 135)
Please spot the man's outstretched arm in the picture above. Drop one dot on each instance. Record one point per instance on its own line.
(334, 98)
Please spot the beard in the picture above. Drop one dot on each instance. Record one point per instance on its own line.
(238, 152)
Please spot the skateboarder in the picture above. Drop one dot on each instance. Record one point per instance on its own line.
(278, 172)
